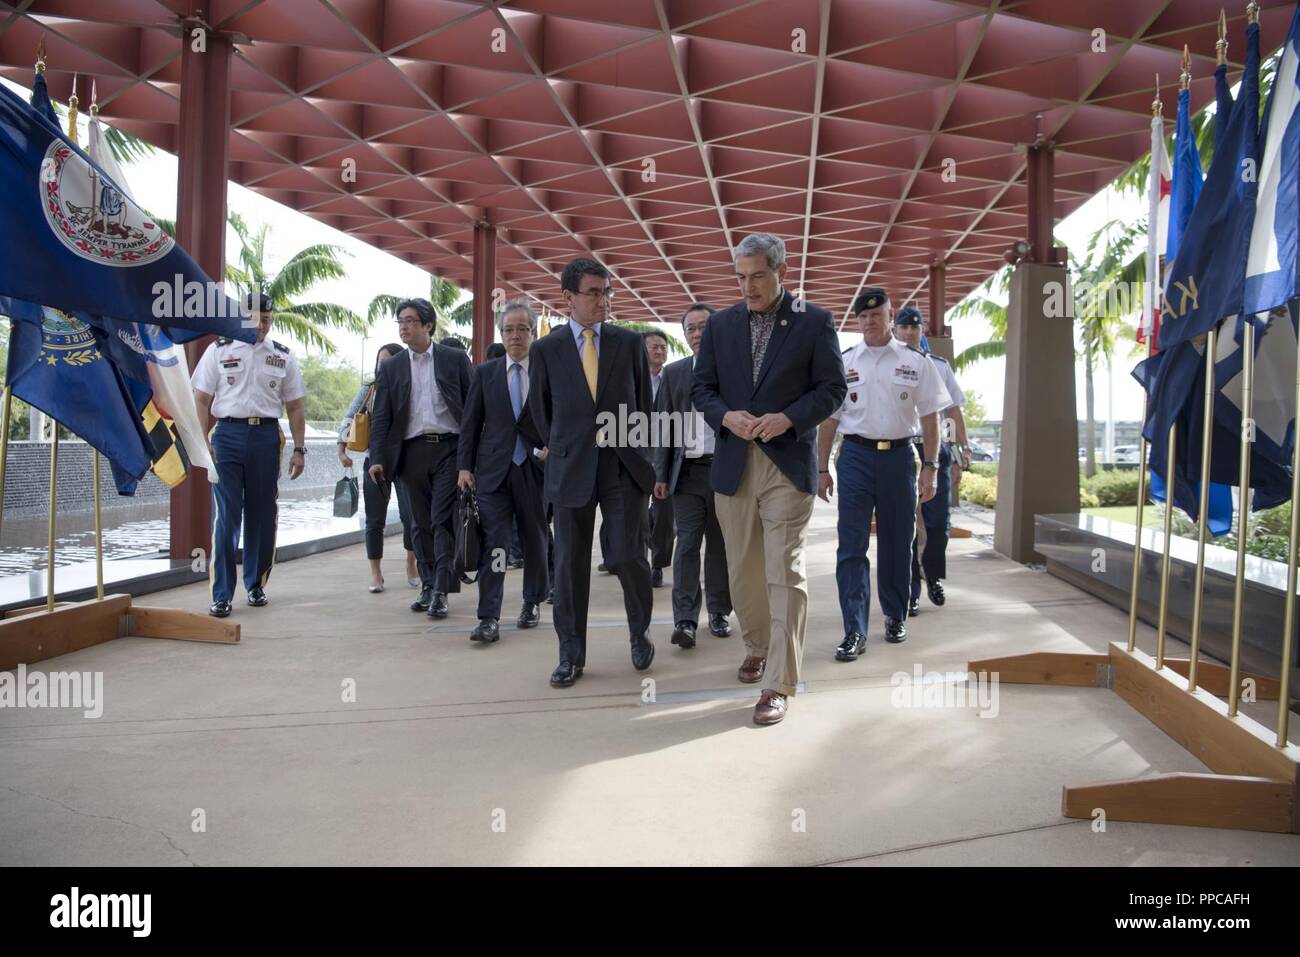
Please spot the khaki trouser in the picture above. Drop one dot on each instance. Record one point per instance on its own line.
(765, 528)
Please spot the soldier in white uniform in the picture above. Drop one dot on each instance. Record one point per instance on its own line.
(244, 386)
(894, 396)
(930, 558)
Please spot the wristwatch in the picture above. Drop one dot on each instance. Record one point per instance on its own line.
(301, 450)
(933, 465)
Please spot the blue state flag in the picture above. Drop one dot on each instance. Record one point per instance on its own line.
(56, 364)
(78, 258)
(1184, 193)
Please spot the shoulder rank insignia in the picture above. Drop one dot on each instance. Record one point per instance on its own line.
(284, 349)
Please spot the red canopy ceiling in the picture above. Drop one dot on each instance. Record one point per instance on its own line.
(654, 134)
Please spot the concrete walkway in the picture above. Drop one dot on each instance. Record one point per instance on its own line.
(454, 753)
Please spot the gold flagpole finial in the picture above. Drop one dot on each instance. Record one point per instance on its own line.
(1156, 106)
(72, 113)
(1185, 78)
(1252, 12)
(40, 54)
(1221, 46)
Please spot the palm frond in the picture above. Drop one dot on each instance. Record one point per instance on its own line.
(306, 268)
(993, 349)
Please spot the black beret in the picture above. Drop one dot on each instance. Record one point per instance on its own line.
(258, 302)
(870, 298)
(908, 316)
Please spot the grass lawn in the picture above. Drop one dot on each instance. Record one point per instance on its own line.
(1151, 518)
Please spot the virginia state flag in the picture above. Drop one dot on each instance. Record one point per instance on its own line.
(66, 254)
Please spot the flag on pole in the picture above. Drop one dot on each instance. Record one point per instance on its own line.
(72, 261)
(145, 352)
(1271, 288)
(1205, 285)
(1184, 194)
(1158, 190)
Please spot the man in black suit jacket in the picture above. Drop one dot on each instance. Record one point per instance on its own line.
(768, 373)
(498, 458)
(682, 477)
(419, 399)
(584, 372)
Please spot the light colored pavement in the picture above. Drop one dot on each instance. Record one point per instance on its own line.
(455, 753)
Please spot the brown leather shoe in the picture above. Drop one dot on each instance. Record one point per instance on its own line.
(770, 708)
(751, 670)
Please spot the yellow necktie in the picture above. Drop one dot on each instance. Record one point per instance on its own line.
(590, 361)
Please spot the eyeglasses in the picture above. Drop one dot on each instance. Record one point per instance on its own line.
(409, 322)
(598, 294)
(516, 330)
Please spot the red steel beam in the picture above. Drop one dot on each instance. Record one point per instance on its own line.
(202, 172)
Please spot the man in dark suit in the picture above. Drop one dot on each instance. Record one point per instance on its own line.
(419, 399)
(662, 520)
(768, 373)
(582, 376)
(498, 459)
(682, 477)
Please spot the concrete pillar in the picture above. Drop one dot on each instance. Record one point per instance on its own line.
(1039, 468)
(202, 172)
(485, 279)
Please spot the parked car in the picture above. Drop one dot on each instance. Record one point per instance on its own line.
(1126, 455)
(979, 453)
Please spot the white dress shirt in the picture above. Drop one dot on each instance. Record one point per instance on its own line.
(890, 388)
(699, 439)
(429, 411)
(949, 382)
(248, 380)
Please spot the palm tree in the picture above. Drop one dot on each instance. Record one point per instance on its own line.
(443, 295)
(982, 304)
(307, 322)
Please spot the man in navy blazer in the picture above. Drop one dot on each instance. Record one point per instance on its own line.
(419, 399)
(499, 459)
(586, 373)
(768, 373)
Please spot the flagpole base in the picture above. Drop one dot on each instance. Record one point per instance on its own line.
(1254, 784)
(31, 635)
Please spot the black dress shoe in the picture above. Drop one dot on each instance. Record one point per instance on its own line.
(914, 607)
(565, 674)
(438, 605)
(422, 603)
(719, 627)
(487, 630)
(602, 567)
(515, 563)
(219, 609)
(935, 588)
(643, 652)
(529, 616)
(257, 598)
(895, 630)
(657, 578)
(684, 634)
(550, 597)
(852, 646)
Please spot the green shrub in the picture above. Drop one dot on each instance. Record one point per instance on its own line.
(979, 489)
(1087, 499)
(1275, 521)
(1114, 488)
(986, 469)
